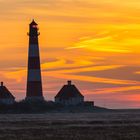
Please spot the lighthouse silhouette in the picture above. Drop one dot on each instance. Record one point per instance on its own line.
(34, 81)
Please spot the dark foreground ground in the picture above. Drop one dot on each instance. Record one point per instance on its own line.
(71, 126)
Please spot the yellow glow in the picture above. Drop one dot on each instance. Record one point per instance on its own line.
(78, 40)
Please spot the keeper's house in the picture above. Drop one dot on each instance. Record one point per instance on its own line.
(69, 95)
(5, 96)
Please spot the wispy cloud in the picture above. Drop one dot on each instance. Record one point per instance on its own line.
(95, 43)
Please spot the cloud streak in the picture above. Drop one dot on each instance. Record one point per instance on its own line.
(94, 43)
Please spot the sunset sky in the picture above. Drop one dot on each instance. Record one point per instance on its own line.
(94, 43)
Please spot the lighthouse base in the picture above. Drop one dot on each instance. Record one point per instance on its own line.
(36, 99)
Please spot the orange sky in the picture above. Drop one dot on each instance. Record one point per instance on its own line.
(96, 44)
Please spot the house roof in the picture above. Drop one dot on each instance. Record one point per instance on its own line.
(68, 91)
(5, 93)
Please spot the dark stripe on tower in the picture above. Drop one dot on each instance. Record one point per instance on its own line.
(34, 63)
(33, 40)
(34, 89)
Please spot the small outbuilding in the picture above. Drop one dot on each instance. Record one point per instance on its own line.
(6, 96)
(69, 95)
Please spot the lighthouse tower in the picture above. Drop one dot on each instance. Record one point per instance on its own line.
(34, 82)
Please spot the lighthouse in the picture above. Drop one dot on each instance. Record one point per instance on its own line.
(34, 81)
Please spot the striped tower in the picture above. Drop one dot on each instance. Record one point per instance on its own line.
(34, 82)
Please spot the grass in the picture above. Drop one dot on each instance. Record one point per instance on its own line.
(71, 126)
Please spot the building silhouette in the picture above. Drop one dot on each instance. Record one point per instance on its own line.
(6, 96)
(69, 95)
(34, 81)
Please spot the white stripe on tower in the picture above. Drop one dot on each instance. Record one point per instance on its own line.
(34, 50)
(34, 75)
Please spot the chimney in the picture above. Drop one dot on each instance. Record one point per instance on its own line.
(2, 84)
(69, 83)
